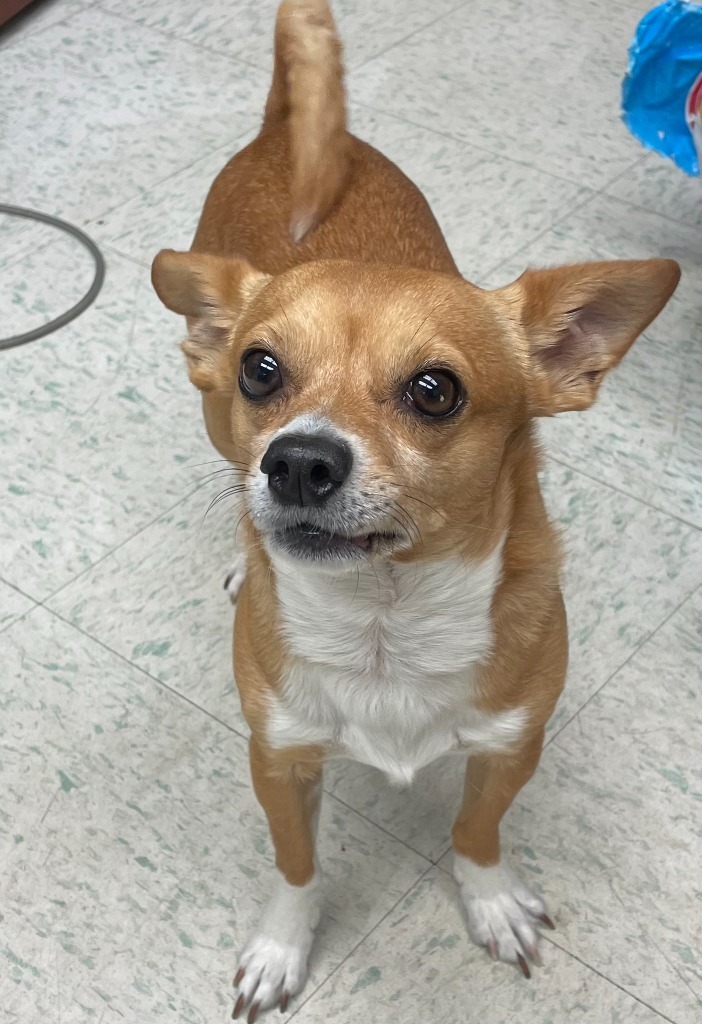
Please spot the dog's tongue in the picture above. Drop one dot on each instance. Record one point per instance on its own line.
(363, 543)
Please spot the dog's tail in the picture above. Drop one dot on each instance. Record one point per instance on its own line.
(307, 94)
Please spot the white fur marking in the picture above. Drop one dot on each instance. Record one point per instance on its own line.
(384, 662)
(502, 912)
(275, 957)
(235, 577)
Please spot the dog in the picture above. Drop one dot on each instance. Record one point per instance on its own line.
(400, 598)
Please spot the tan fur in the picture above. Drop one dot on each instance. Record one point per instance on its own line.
(491, 785)
(307, 96)
(350, 311)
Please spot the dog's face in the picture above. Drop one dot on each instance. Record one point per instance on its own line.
(373, 410)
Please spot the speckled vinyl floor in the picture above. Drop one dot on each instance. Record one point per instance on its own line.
(133, 857)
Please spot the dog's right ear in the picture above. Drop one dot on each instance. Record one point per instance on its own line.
(212, 292)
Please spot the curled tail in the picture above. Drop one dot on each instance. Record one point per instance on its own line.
(307, 94)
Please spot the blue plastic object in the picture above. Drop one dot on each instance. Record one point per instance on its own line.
(662, 89)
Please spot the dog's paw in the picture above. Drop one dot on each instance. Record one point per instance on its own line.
(273, 966)
(235, 577)
(504, 915)
(270, 973)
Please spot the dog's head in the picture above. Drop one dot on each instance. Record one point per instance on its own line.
(375, 410)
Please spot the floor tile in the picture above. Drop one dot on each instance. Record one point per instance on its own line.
(98, 422)
(245, 27)
(98, 108)
(12, 605)
(166, 216)
(541, 84)
(609, 828)
(627, 568)
(175, 621)
(660, 186)
(38, 17)
(18, 237)
(643, 6)
(419, 966)
(42, 283)
(135, 857)
(643, 435)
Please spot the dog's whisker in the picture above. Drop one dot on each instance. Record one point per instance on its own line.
(413, 497)
(228, 492)
(215, 462)
(408, 525)
(240, 520)
(236, 473)
(412, 520)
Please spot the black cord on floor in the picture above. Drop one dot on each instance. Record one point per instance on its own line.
(88, 298)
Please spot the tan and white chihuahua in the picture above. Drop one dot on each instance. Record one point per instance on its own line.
(401, 596)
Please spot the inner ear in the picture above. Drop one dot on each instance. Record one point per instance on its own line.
(579, 352)
(211, 292)
(579, 321)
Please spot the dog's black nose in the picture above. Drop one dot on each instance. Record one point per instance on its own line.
(306, 469)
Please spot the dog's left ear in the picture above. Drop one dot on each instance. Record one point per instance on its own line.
(579, 321)
(212, 292)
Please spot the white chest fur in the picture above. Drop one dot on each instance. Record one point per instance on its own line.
(384, 663)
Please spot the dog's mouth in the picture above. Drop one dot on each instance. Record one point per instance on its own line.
(307, 540)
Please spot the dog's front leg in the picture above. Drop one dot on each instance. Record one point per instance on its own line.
(273, 965)
(503, 914)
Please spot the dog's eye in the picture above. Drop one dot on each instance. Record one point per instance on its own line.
(434, 393)
(260, 374)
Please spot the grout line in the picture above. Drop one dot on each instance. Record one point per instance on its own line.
(440, 866)
(625, 493)
(237, 55)
(23, 615)
(649, 636)
(19, 590)
(547, 938)
(559, 220)
(172, 36)
(464, 142)
(381, 828)
(173, 174)
(594, 194)
(615, 984)
(627, 170)
(414, 32)
(147, 674)
(114, 251)
(350, 953)
(43, 602)
(644, 209)
(648, 209)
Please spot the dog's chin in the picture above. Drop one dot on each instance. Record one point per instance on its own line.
(308, 543)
